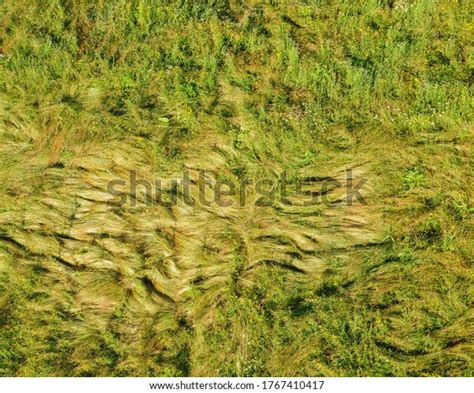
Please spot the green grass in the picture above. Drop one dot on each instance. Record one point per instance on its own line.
(92, 90)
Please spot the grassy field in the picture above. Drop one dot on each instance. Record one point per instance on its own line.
(95, 285)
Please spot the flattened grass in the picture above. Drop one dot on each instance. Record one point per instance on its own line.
(89, 92)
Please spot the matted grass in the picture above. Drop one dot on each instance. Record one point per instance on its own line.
(91, 286)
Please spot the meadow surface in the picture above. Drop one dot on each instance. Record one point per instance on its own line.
(92, 284)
